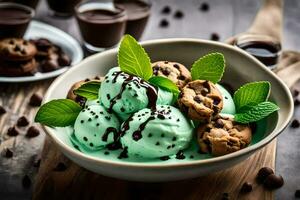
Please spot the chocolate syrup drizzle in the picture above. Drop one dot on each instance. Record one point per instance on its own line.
(108, 131)
(151, 91)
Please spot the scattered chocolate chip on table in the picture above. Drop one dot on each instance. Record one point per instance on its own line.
(12, 131)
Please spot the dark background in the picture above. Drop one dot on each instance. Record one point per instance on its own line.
(225, 17)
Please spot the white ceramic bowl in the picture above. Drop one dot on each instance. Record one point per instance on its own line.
(241, 68)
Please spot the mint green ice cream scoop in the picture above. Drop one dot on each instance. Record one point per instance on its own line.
(95, 127)
(228, 103)
(153, 134)
(125, 94)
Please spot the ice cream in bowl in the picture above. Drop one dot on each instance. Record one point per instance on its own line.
(165, 110)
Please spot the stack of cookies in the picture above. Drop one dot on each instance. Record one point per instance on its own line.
(50, 56)
(17, 57)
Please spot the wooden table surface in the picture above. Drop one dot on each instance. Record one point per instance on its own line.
(226, 17)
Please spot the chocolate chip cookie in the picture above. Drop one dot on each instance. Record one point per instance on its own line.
(71, 95)
(50, 56)
(16, 49)
(174, 71)
(223, 136)
(21, 68)
(201, 100)
(80, 100)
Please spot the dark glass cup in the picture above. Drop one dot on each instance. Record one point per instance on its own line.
(63, 8)
(101, 27)
(14, 19)
(262, 47)
(138, 13)
(30, 3)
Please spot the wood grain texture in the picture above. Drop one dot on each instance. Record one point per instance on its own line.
(78, 183)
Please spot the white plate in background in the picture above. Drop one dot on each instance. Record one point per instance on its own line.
(69, 45)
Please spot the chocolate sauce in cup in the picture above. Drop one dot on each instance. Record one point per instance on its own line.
(63, 8)
(138, 13)
(14, 19)
(101, 26)
(264, 48)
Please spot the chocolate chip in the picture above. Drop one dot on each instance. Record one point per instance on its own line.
(297, 194)
(253, 127)
(32, 132)
(295, 123)
(60, 167)
(164, 158)
(263, 173)
(49, 65)
(204, 91)
(37, 163)
(225, 196)
(166, 10)
(7, 153)
(17, 48)
(26, 182)
(155, 69)
(215, 37)
(219, 124)
(297, 102)
(35, 100)
(64, 60)
(12, 131)
(204, 7)
(166, 71)
(42, 43)
(2, 110)
(176, 66)
(295, 92)
(23, 51)
(25, 42)
(273, 182)
(216, 101)
(22, 121)
(178, 14)
(197, 99)
(11, 42)
(246, 187)
(164, 23)
(97, 78)
(181, 77)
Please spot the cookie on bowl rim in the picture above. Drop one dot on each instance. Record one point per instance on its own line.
(79, 99)
(174, 71)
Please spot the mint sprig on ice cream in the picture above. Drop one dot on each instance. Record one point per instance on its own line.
(251, 101)
(89, 90)
(209, 67)
(134, 60)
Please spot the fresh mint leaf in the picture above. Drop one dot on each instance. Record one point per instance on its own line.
(58, 113)
(256, 113)
(164, 83)
(210, 67)
(89, 90)
(251, 94)
(133, 59)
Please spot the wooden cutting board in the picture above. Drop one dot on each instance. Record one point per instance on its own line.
(60, 178)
